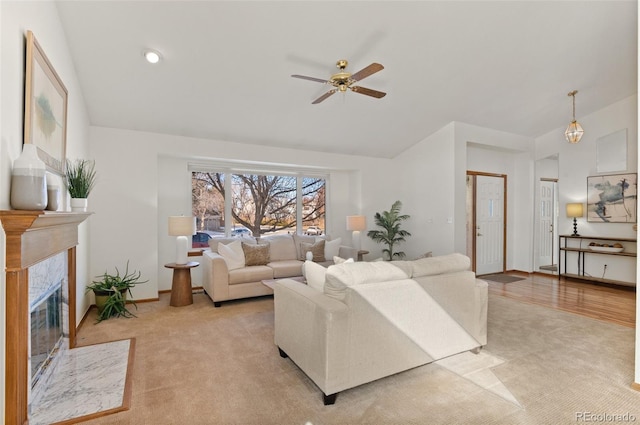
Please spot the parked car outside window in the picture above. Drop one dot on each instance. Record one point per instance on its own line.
(200, 240)
(241, 231)
(313, 230)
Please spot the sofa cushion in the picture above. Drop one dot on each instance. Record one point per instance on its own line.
(317, 249)
(214, 242)
(340, 260)
(233, 254)
(250, 274)
(286, 268)
(440, 264)
(281, 247)
(256, 255)
(315, 275)
(298, 239)
(340, 277)
(332, 248)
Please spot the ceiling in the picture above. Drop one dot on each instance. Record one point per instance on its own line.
(227, 65)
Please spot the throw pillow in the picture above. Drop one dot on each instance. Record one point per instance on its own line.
(233, 255)
(314, 274)
(425, 255)
(338, 260)
(256, 255)
(332, 248)
(317, 249)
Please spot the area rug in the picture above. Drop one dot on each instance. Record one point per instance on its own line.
(500, 278)
(89, 381)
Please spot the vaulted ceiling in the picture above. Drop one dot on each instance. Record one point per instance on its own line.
(227, 65)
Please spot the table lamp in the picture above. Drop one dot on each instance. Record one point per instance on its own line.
(182, 226)
(574, 210)
(356, 223)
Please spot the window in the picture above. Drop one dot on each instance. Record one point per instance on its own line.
(258, 203)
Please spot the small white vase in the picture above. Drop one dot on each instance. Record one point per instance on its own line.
(28, 180)
(79, 204)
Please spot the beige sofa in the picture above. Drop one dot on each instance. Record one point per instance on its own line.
(372, 320)
(223, 281)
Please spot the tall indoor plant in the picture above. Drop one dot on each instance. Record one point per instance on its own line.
(391, 234)
(80, 178)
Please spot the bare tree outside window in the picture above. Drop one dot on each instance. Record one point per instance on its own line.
(261, 203)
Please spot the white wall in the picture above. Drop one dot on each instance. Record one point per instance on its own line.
(41, 18)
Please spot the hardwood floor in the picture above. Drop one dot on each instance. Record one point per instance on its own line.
(612, 304)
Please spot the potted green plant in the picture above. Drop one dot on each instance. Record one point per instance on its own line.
(80, 178)
(111, 290)
(391, 234)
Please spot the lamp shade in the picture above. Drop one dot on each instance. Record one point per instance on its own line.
(182, 226)
(574, 210)
(356, 222)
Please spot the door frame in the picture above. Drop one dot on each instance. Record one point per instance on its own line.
(472, 209)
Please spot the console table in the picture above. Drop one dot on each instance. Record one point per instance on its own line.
(583, 249)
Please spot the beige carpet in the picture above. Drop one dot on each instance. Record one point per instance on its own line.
(204, 365)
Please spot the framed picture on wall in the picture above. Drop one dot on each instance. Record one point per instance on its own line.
(612, 198)
(45, 103)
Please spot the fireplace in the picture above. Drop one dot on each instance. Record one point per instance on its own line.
(48, 321)
(31, 238)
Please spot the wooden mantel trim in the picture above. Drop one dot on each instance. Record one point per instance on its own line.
(31, 236)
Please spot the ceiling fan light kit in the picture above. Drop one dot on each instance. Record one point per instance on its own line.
(343, 81)
(574, 131)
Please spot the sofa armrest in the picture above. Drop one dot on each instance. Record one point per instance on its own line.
(215, 279)
(312, 329)
(348, 252)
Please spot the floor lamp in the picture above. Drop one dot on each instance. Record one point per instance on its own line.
(182, 227)
(356, 223)
(574, 210)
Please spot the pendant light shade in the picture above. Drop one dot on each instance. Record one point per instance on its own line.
(574, 131)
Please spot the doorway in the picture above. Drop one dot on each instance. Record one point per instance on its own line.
(486, 221)
(545, 249)
(547, 225)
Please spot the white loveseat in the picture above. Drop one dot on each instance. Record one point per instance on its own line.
(225, 279)
(372, 320)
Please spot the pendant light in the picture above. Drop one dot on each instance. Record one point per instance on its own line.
(574, 132)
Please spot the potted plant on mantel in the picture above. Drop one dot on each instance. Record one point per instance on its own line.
(111, 293)
(391, 233)
(80, 177)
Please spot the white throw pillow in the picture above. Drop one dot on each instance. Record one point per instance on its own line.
(233, 254)
(338, 260)
(314, 273)
(332, 248)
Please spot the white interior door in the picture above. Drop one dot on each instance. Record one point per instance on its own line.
(546, 229)
(489, 224)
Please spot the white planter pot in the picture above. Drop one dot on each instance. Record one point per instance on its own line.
(79, 204)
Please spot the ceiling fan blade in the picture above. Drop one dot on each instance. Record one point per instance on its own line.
(365, 72)
(304, 77)
(368, 92)
(324, 96)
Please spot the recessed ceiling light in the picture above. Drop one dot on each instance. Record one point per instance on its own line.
(152, 56)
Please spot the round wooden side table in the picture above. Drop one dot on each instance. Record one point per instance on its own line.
(181, 292)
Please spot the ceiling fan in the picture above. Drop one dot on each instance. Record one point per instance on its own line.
(343, 81)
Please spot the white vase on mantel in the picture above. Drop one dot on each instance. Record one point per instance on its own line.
(28, 180)
(79, 204)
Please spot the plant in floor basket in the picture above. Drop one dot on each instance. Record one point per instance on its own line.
(80, 177)
(111, 291)
(391, 234)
